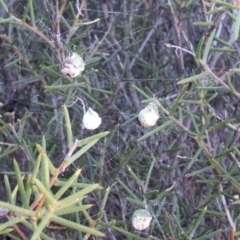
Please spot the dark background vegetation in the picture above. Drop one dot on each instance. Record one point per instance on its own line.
(194, 159)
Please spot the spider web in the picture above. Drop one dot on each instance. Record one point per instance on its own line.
(97, 80)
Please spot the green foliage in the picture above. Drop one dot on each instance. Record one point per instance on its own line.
(44, 201)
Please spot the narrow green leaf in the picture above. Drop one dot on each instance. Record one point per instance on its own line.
(35, 171)
(208, 182)
(223, 50)
(46, 193)
(216, 213)
(134, 176)
(236, 70)
(8, 151)
(29, 150)
(17, 209)
(129, 191)
(198, 221)
(203, 24)
(158, 213)
(179, 226)
(135, 202)
(208, 45)
(32, 12)
(4, 5)
(6, 20)
(45, 171)
(92, 61)
(76, 197)
(88, 217)
(128, 234)
(52, 169)
(81, 23)
(68, 126)
(236, 202)
(199, 48)
(222, 42)
(194, 78)
(206, 124)
(194, 158)
(26, 9)
(10, 223)
(227, 175)
(12, 63)
(90, 139)
(76, 185)
(44, 143)
(72, 209)
(162, 196)
(178, 100)
(220, 124)
(225, 4)
(103, 204)
(77, 226)
(232, 89)
(5, 231)
(194, 122)
(215, 10)
(37, 194)
(19, 179)
(210, 235)
(67, 184)
(110, 93)
(32, 227)
(52, 72)
(157, 129)
(8, 189)
(141, 92)
(168, 223)
(90, 98)
(62, 86)
(149, 174)
(44, 222)
(28, 186)
(237, 27)
(130, 121)
(237, 151)
(70, 160)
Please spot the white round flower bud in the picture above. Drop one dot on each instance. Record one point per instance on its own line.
(73, 66)
(91, 120)
(141, 219)
(149, 115)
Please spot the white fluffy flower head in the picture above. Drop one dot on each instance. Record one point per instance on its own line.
(149, 115)
(141, 219)
(91, 119)
(73, 66)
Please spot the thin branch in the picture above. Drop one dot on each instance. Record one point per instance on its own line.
(229, 217)
(74, 25)
(176, 24)
(182, 49)
(20, 56)
(89, 55)
(17, 229)
(217, 79)
(140, 50)
(35, 30)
